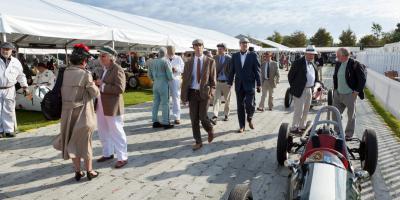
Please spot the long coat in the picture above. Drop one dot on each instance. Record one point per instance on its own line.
(207, 81)
(78, 119)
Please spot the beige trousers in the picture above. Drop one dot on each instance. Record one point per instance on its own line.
(301, 108)
(225, 90)
(267, 88)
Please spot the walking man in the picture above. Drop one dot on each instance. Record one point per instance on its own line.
(11, 72)
(349, 82)
(245, 71)
(302, 77)
(177, 65)
(222, 61)
(198, 87)
(160, 73)
(269, 80)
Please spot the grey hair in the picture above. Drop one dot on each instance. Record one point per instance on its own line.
(162, 52)
(171, 49)
(344, 51)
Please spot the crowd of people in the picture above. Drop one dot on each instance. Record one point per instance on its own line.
(93, 98)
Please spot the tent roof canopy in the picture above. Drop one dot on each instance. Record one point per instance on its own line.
(60, 23)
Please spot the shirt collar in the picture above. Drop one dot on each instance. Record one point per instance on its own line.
(243, 53)
(201, 57)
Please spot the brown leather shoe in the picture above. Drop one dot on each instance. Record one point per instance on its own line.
(103, 158)
(251, 124)
(177, 121)
(197, 146)
(260, 109)
(121, 163)
(241, 130)
(210, 136)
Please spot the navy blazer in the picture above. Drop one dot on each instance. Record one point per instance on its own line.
(245, 77)
(297, 76)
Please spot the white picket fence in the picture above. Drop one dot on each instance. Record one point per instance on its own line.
(380, 61)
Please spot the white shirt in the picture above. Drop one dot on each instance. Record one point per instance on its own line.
(45, 78)
(196, 85)
(178, 64)
(243, 58)
(102, 78)
(310, 74)
(267, 65)
(11, 74)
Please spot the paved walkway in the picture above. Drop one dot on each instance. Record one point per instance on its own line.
(163, 166)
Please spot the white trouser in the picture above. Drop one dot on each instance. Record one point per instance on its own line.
(301, 108)
(111, 133)
(7, 110)
(175, 91)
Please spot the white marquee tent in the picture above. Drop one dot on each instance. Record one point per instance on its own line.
(60, 24)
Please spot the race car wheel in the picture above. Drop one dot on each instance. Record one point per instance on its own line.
(241, 192)
(282, 148)
(330, 97)
(288, 98)
(369, 151)
(133, 82)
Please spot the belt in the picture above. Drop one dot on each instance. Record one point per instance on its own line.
(194, 90)
(221, 81)
(3, 88)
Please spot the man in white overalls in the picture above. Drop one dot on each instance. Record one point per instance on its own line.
(11, 72)
(177, 65)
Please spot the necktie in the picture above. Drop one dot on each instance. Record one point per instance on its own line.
(198, 70)
(268, 70)
(242, 53)
(221, 59)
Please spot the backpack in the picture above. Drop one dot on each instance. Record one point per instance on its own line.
(52, 103)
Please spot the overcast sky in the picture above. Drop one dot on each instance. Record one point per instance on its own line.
(261, 17)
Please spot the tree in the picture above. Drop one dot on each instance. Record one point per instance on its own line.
(376, 29)
(347, 38)
(276, 37)
(296, 39)
(322, 38)
(369, 41)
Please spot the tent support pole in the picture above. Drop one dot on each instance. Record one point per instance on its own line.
(66, 56)
(113, 44)
(4, 37)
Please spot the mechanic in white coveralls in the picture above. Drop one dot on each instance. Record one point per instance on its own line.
(177, 65)
(11, 72)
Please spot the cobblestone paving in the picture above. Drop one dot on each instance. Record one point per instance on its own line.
(163, 166)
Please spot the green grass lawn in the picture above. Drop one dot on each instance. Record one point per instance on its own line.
(31, 120)
(389, 118)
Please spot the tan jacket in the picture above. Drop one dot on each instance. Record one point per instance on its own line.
(207, 80)
(273, 73)
(111, 96)
(78, 120)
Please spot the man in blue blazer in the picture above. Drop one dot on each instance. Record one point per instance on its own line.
(245, 70)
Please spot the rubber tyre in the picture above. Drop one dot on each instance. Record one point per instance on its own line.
(330, 97)
(241, 192)
(369, 151)
(282, 146)
(133, 82)
(288, 98)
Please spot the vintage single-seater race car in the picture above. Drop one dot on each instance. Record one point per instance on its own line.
(31, 102)
(320, 95)
(323, 169)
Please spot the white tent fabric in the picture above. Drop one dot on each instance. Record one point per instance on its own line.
(65, 23)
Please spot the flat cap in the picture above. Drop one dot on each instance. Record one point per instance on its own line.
(244, 40)
(7, 45)
(197, 41)
(109, 50)
(222, 45)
